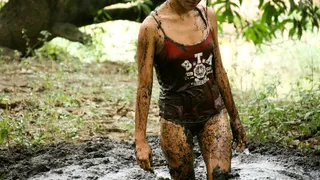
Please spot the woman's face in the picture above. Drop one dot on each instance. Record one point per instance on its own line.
(189, 4)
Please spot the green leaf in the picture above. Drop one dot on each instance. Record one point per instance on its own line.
(260, 4)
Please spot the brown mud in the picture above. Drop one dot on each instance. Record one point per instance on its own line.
(110, 159)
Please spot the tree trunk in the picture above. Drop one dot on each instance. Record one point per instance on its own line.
(22, 21)
(131, 13)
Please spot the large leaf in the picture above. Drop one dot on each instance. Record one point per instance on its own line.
(277, 16)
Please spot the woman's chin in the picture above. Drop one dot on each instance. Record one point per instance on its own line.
(191, 6)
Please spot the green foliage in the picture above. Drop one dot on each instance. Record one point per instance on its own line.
(43, 38)
(226, 11)
(277, 90)
(276, 16)
(270, 119)
(2, 3)
(4, 130)
(143, 7)
(12, 130)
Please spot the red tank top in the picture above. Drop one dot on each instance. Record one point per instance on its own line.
(186, 77)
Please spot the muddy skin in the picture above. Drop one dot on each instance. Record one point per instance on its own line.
(215, 144)
(161, 38)
(222, 81)
(145, 77)
(143, 43)
(219, 174)
(169, 5)
(200, 26)
(179, 173)
(177, 150)
(160, 33)
(146, 42)
(199, 23)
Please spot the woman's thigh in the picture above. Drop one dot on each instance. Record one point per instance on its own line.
(215, 142)
(176, 144)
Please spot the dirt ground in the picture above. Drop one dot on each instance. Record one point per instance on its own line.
(115, 160)
(45, 95)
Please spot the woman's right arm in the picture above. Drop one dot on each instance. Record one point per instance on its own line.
(145, 55)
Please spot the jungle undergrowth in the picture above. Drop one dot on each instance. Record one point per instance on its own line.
(278, 93)
(292, 121)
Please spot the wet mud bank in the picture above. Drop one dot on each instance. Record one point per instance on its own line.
(114, 160)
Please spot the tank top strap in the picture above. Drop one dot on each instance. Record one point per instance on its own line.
(202, 16)
(154, 14)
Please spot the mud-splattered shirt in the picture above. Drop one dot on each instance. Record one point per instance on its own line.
(186, 77)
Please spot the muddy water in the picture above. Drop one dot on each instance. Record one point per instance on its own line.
(106, 159)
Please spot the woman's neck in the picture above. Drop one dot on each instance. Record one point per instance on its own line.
(177, 8)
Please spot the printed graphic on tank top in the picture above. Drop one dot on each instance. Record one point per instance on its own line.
(198, 70)
(186, 77)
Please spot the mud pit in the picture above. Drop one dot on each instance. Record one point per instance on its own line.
(114, 160)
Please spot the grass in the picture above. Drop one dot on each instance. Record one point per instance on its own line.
(70, 92)
(277, 89)
(62, 101)
(291, 122)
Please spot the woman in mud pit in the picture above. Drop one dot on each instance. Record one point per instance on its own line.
(180, 40)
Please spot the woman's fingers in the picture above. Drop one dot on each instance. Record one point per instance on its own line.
(239, 135)
(240, 142)
(146, 165)
(241, 147)
(145, 161)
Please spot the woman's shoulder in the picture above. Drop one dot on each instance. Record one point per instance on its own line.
(149, 21)
(209, 13)
(149, 24)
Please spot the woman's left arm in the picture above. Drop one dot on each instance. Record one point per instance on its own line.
(222, 81)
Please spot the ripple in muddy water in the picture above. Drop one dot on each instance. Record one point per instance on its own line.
(268, 167)
(109, 160)
(244, 167)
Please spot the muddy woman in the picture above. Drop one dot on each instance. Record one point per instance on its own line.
(179, 39)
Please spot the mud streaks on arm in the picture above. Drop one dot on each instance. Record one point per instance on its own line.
(145, 55)
(221, 77)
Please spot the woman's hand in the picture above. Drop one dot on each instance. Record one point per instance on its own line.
(144, 156)
(239, 135)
